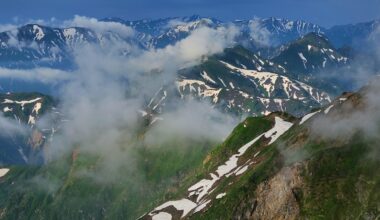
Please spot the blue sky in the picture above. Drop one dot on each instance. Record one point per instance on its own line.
(323, 12)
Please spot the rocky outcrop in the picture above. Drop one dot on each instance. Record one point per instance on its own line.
(276, 198)
(36, 139)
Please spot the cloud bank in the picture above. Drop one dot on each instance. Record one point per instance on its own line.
(103, 98)
(100, 26)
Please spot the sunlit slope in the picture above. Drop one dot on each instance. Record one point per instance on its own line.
(303, 174)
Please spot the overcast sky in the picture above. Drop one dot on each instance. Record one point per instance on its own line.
(323, 12)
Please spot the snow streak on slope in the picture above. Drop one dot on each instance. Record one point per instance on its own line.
(22, 103)
(3, 171)
(199, 196)
(308, 116)
(279, 128)
(198, 87)
(10, 106)
(271, 81)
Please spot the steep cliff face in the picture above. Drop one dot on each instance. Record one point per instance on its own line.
(277, 197)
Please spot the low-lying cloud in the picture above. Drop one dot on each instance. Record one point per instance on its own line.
(11, 127)
(40, 74)
(201, 43)
(193, 119)
(100, 26)
(361, 117)
(353, 118)
(261, 35)
(104, 96)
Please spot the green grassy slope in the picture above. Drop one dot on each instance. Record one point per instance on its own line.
(340, 178)
(67, 188)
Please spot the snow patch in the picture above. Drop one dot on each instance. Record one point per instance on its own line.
(7, 109)
(241, 170)
(202, 206)
(22, 103)
(156, 119)
(162, 216)
(280, 127)
(328, 109)
(184, 205)
(221, 195)
(39, 32)
(306, 117)
(222, 82)
(304, 60)
(37, 107)
(232, 85)
(202, 187)
(207, 77)
(198, 87)
(342, 99)
(31, 120)
(143, 113)
(324, 62)
(3, 171)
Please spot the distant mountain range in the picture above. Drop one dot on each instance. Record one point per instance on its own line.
(244, 79)
(36, 45)
(281, 74)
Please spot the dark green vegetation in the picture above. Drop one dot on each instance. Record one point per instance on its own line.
(77, 187)
(343, 181)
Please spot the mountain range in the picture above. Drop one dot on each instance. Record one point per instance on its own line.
(34, 44)
(304, 147)
(290, 46)
(274, 166)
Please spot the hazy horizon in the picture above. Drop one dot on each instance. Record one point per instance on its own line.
(324, 13)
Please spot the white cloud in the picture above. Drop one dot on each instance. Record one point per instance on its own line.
(8, 126)
(191, 119)
(175, 22)
(201, 42)
(7, 27)
(100, 26)
(259, 34)
(103, 99)
(103, 96)
(44, 75)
